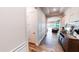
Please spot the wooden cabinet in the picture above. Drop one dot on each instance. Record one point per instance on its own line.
(73, 45)
(69, 44)
(63, 41)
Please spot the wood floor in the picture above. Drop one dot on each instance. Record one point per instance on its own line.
(49, 43)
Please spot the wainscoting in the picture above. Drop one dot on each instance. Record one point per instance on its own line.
(21, 48)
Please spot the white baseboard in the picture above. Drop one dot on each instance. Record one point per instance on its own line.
(20, 47)
(41, 39)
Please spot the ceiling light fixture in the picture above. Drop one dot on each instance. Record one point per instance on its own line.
(54, 9)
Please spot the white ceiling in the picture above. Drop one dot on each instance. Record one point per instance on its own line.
(53, 11)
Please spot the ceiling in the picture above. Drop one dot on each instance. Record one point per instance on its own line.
(54, 11)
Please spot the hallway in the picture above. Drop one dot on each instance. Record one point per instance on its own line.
(50, 43)
(25, 29)
(41, 19)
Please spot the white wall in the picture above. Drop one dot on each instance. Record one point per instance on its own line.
(72, 14)
(31, 22)
(12, 27)
(41, 26)
(36, 23)
(31, 19)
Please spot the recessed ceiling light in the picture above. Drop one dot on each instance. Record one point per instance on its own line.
(54, 9)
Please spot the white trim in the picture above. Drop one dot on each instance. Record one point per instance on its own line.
(41, 39)
(19, 47)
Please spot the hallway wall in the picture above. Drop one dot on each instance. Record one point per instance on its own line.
(12, 28)
(41, 25)
(31, 23)
(36, 24)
